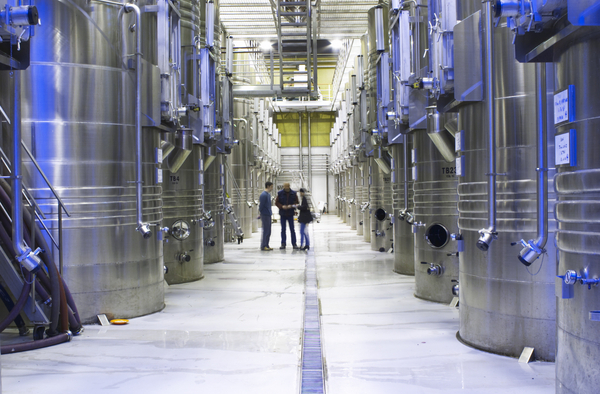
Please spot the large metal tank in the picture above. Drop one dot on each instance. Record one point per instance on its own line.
(404, 240)
(382, 233)
(367, 196)
(359, 201)
(504, 307)
(350, 198)
(435, 198)
(183, 203)
(79, 122)
(240, 158)
(352, 195)
(577, 213)
(214, 231)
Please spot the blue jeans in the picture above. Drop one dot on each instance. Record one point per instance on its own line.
(289, 219)
(266, 230)
(304, 240)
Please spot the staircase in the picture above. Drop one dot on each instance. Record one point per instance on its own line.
(295, 48)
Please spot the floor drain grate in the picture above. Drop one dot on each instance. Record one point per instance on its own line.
(312, 358)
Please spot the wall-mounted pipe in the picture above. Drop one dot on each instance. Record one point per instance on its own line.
(487, 235)
(534, 248)
(143, 228)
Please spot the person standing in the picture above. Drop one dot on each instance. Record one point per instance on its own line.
(264, 207)
(304, 218)
(285, 201)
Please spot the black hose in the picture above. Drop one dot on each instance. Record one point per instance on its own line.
(5, 191)
(10, 305)
(49, 341)
(14, 312)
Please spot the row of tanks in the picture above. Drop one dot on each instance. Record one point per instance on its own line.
(128, 111)
(480, 115)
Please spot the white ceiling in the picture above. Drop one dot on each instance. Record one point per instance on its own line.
(254, 19)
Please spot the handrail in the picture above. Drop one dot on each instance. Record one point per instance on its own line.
(60, 202)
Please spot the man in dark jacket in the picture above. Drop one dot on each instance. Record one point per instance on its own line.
(285, 200)
(265, 216)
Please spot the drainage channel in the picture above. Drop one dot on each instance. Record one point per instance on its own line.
(312, 356)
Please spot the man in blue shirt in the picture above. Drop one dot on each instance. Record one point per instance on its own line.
(286, 201)
(264, 207)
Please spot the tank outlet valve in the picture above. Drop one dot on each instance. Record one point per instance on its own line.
(435, 270)
(165, 269)
(406, 216)
(183, 257)
(572, 277)
(25, 15)
(460, 242)
(30, 260)
(144, 229)
(530, 252)
(455, 288)
(249, 203)
(209, 242)
(485, 239)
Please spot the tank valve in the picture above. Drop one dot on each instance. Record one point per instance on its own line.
(486, 238)
(209, 242)
(435, 270)
(406, 216)
(530, 252)
(26, 15)
(572, 277)
(455, 288)
(30, 260)
(415, 226)
(379, 233)
(144, 229)
(165, 269)
(183, 257)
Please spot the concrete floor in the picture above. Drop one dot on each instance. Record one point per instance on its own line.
(238, 331)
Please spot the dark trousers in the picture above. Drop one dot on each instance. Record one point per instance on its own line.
(290, 220)
(266, 230)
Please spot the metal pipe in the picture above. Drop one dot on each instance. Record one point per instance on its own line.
(487, 235)
(28, 258)
(300, 139)
(309, 156)
(534, 248)
(143, 228)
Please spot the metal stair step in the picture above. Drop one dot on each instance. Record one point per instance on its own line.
(293, 34)
(294, 63)
(292, 54)
(293, 24)
(289, 13)
(292, 3)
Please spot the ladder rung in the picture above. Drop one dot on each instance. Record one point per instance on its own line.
(292, 3)
(294, 24)
(294, 63)
(292, 54)
(295, 89)
(293, 34)
(296, 73)
(292, 13)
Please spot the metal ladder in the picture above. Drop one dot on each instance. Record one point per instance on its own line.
(296, 47)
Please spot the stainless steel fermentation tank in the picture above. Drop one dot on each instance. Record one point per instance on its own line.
(360, 198)
(370, 166)
(435, 213)
(182, 187)
(578, 216)
(214, 231)
(183, 208)
(404, 240)
(240, 191)
(382, 231)
(79, 121)
(504, 306)
(350, 197)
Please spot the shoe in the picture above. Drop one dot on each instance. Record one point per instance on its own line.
(306, 247)
(296, 247)
(282, 247)
(266, 249)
